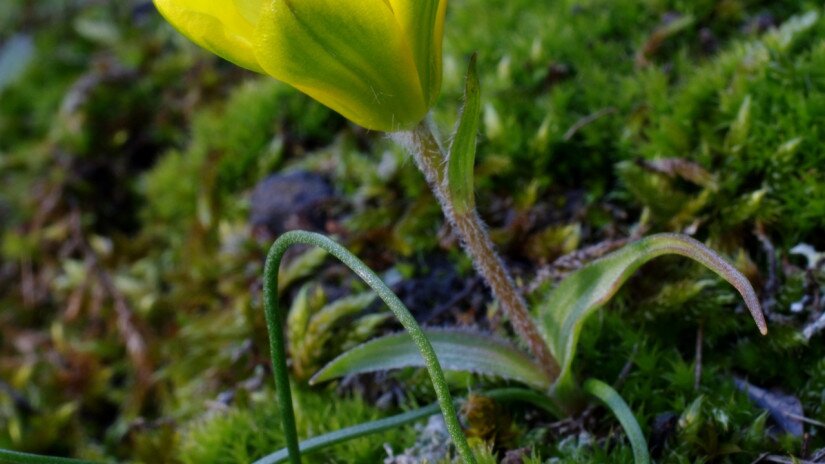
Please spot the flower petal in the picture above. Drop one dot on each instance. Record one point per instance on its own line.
(224, 27)
(250, 10)
(349, 55)
(423, 24)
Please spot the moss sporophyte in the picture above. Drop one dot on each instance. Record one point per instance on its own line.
(378, 63)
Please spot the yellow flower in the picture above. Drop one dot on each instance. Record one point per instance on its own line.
(377, 62)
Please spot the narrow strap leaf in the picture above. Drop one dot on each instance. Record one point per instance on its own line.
(463, 150)
(16, 457)
(611, 398)
(350, 433)
(457, 350)
(565, 309)
(277, 343)
(360, 430)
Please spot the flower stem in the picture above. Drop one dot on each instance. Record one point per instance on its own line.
(430, 158)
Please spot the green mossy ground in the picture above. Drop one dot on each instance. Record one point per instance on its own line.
(128, 156)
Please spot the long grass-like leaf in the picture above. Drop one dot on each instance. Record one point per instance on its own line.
(611, 398)
(360, 430)
(16, 457)
(567, 307)
(278, 350)
(457, 350)
(350, 433)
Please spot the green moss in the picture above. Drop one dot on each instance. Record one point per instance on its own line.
(813, 393)
(249, 432)
(750, 115)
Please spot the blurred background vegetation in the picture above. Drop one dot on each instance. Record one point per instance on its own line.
(143, 179)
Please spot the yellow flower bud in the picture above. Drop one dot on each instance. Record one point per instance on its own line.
(377, 62)
(224, 27)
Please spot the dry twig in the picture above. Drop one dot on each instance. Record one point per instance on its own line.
(586, 121)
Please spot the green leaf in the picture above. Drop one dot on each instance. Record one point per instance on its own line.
(611, 398)
(350, 433)
(565, 309)
(462, 155)
(456, 351)
(320, 442)
(15, 457)
(277, 344)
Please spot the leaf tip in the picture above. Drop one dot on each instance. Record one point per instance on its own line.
(752, 302)
(473, 85)
(757, 313)
(319, 377)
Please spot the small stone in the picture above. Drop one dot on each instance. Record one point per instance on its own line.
(295, 200)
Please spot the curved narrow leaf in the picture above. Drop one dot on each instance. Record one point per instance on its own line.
(277, 344)
(456, 351)
(567, 306)
(320, 442)
(461, 161)
(611, 398)
(16, 457)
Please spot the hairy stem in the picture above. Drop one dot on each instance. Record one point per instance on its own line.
(430, 158)
(278, 349)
